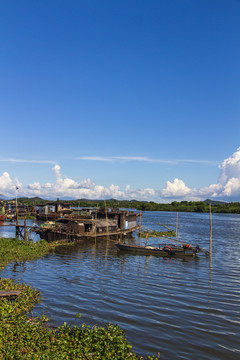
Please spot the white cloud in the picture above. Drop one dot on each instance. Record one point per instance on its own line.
(143, 194)
(227, 187)
(230, 168)
(34, 186)
(8, 186)
(6, 182)
(232, 187)
(56, 172)
(87, 184)
(177, 188)
(146, 159)
(66, 187)
(13, 160)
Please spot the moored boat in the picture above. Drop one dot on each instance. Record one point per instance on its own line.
(95, 223)
(166, 250)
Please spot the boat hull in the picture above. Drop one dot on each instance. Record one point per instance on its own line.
(150, 250)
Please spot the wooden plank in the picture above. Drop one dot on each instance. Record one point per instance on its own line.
(4, 293)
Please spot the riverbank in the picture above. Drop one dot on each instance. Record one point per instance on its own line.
(25, 337)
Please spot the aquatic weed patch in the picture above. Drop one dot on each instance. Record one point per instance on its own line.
(24, 302)
(22, 337)
(154, 233)
(18, 250)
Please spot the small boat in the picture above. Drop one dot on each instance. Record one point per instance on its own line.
(166, 250)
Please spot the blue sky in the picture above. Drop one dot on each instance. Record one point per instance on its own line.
(126, 99)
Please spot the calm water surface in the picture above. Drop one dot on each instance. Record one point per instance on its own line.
(182, 309)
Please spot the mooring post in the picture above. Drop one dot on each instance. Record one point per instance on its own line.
(210, 240)
(17, 231)
(177, 227)
(146, 238)
(25, 230)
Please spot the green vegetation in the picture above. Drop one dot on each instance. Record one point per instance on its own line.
(29, 217)
(154, 233)
(19, 250)
(183, 206)
(24, 337)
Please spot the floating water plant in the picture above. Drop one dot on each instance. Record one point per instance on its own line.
(18, 250)
(154, 233)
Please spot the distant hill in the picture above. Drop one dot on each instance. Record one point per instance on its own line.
(215, 202)
(27, 199)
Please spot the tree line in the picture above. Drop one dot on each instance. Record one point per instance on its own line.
(183, 206)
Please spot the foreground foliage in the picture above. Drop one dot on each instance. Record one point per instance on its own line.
(22, 337)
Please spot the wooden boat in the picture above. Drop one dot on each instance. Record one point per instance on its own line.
(166, 250)
(95, 223)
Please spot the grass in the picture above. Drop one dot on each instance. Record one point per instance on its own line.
(24, 337)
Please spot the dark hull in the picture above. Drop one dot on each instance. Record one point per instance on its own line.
(51, 234)
(149, 250)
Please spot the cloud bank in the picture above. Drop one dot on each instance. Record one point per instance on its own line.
(227, 188)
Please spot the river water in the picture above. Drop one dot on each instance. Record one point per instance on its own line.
(184, 309)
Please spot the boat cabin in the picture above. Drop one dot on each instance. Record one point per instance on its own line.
(98, 222)
(53, 210)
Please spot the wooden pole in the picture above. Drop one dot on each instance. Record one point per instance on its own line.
(16, 209)
(96, 226)
(146, 238)
(106, 217)
(25, 229)
(139, 237)
(210, 241)
(17, 227)
(177, 227)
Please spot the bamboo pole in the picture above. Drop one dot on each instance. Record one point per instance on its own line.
(16, 209)
(146, 238)
(17, 227)
(106, 217)
(25, 230)
(177, 227)
(139, 237)
(96, 226)
(210, 240)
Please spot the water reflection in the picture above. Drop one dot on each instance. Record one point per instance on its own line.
(19, 267)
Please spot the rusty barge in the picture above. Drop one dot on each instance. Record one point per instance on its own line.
(109, 223)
